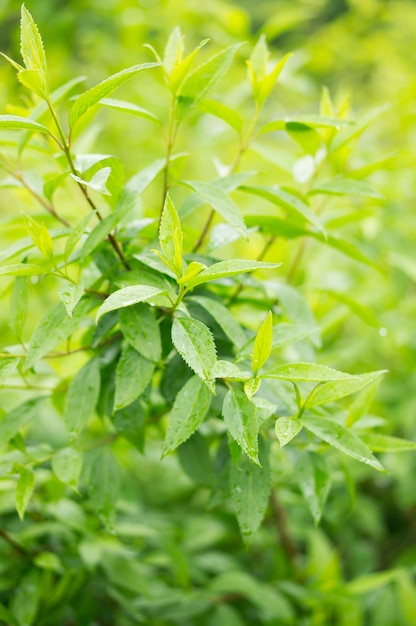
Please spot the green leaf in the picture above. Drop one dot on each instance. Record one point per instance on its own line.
(15, 122)
(313, 477)
(31, 46)
(24, 490)
(8, 367)
(53, 328)
(250, 487)
(286, 429)
(25, 600)
(314, 121)
(35, 81)
(97, 182)
(75, 235)
(22, 269)
(226, 184)
(40, 236)
(202, 80)
(127, 297)
(195, 460)
(341, 438)
(19, 305)
(130, 424)
(224, 319)
(263, 344)
(87, 100)
(173, 50)
(385, 443)
(128, 107)
(332, 391)
(306, 372)
(240, 418)
(133, 374)
(82, 397)
(229, 268)
(220, 202)
(194, 342)
(189, 410)
(18, 417)
(103, 485)
(140, 328)
(171, 237)
(67, 464)
(342, 186)
(287, 201)
(359, 406)
(226, 369)
(70, 295)
(221, 111)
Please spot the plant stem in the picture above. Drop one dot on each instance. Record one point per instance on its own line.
(46, 205)
(283, 532)
(170, 142)
(13, 543)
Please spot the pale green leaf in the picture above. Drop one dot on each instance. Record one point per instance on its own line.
(18, 417)
(15, 122)
(173, 50)
(70, 294)
(223, 112)
(67, 464)
(31, 46)
(103, 485)
(24, 490)
(128, 107)
(314, 121)
(82, 397)
(194, 342)
(19, 301)
(224, 319)
(385, 443)
(342, 186)
(226, 184)
(75, 235)
(133, 374)
(170, 236)
(314, 479)
(332, 391)
(250, 491)
(8, 367)
(34, 80)
(40, 236)
(141, 329)
(240, 418)
(224, 269)
(97, 182)
(359, 406)
(189, 410)
(22, 269)
(126, 297)
(263, 344)
(227, 369)
(306, 372)
(220, 201)
(286, 429)
(341, 438)
(87, 100)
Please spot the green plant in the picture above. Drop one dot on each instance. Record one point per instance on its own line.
(153, 339)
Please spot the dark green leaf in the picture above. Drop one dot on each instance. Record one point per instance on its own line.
(194, 342)
(240, 417)
(224, 319)
(82, 397)
(133, 374)
(314, 479)
(24, 490)
(103, 486)
(140, 328)
(130, 424)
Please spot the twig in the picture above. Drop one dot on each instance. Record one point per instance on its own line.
(13, 543)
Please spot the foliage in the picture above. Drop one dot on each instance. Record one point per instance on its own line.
(177, 421)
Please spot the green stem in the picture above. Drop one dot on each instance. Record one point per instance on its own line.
(170, 142)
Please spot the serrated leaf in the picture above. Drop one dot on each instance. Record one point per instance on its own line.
(130, 424)
(67, 464)
(263, 344)
(22, 269)
(314, 480)
(250, 487)
(229, 268)
(40, 236)
(224, 319)
(332, 391)
(342, 186)
(103, 485)
(287, 201)
(127, 297)
(34, 80)
(306, 372)
(202, 80)
(286, 429)
(18, 417)
(129, 107)
(385, 443)
(19, 305)
(220, 201)
(97, 182)
(82, 397)
(15, 122)
(31, 46)
(87, 100)
(53, 328)
(341, 438)
(194, 342)
(240, 418)
(189, 410)
(70, 295)
(133, 374)
(24, 490)
(227, 369)
(171, 237)
(140, 328)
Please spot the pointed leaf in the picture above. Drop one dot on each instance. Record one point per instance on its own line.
(170, 236)
(306, 372)
(103, 486)
(87, 100)
(70, 295)
(31, 46)
(18, 417)
(341, 186)
(133, 374)
(126, 297)
(312, 475)
(15, 122)
(194, 342)
(82, 397)
(221, 111)
(130, 424)
(189, 410)
(224, 319)
(341, 438)
(263, 344)
(128, 107)
(229, 268)
(22, 269)
(24, 490)
(385, 443)
(67, 464)
(140, 328)
(240, 417)
(19, 305)
(226, 369)
(286, 429)
(332, 391)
